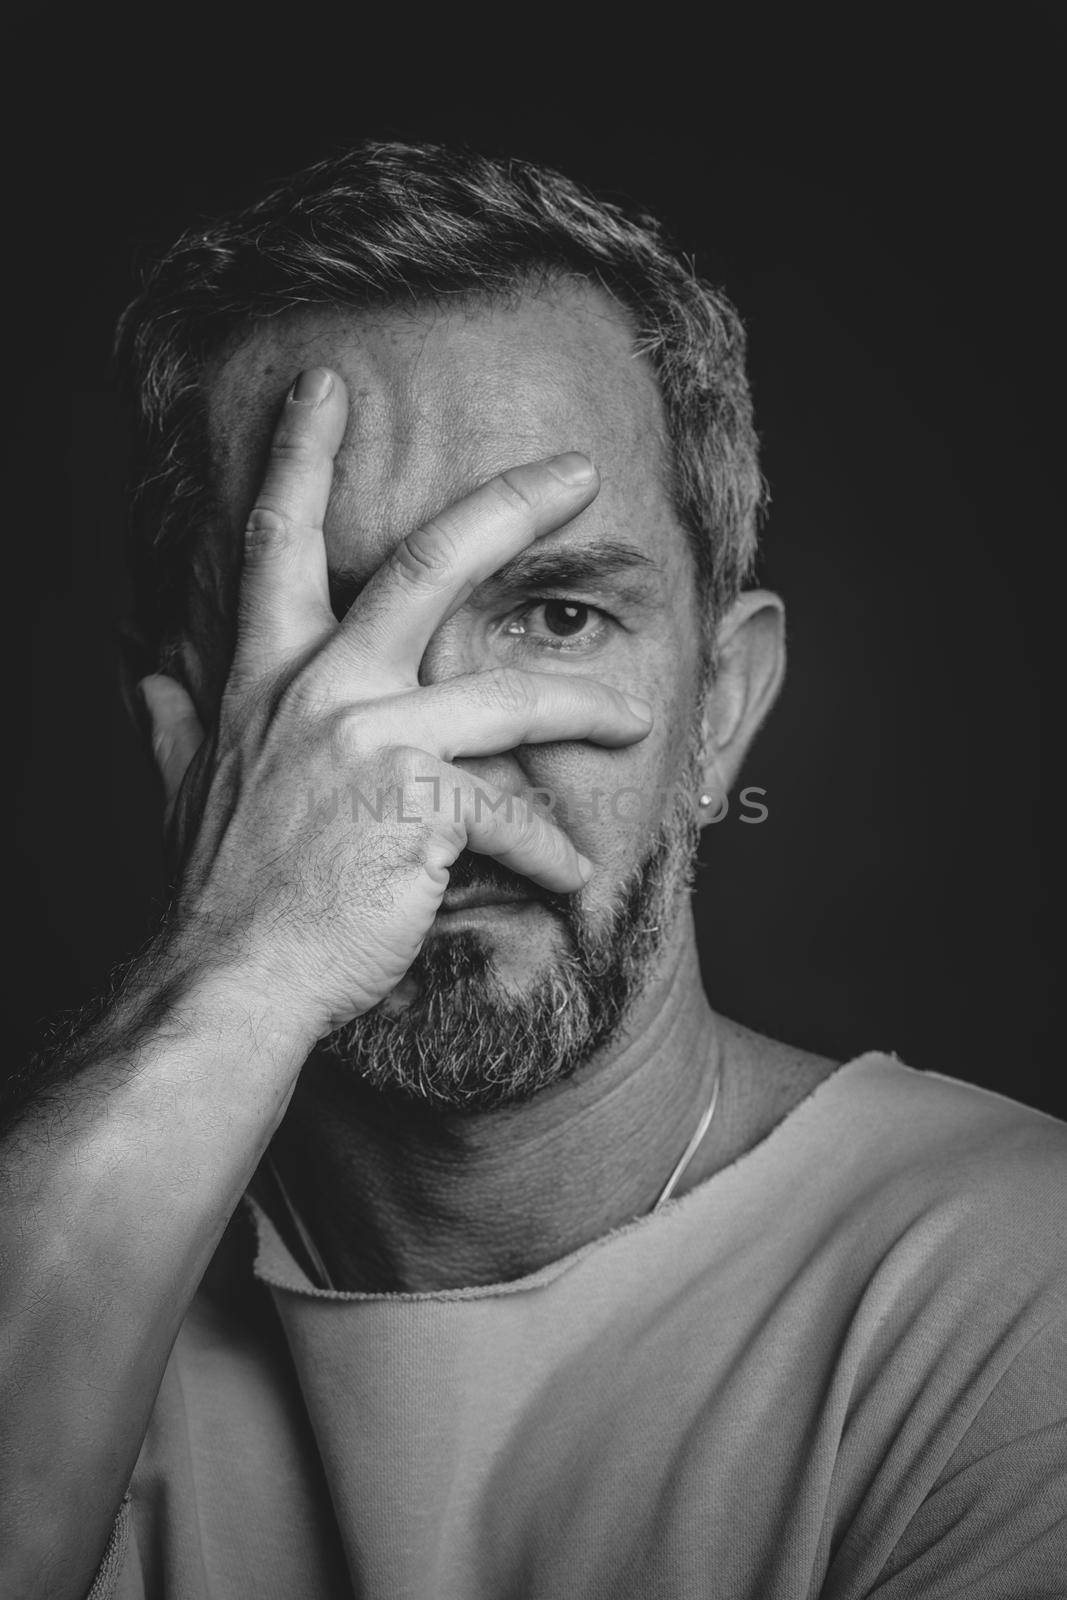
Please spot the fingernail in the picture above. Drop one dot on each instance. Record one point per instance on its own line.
(585, 866)
(571, 468)
(639, 707)
(312, 387)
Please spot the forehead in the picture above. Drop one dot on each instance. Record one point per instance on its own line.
(440, 400)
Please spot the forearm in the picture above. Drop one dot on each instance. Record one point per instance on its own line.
(117, 1185)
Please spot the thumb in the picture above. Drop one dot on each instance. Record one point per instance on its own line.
(176, 731)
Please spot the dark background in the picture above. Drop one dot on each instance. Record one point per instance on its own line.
(879, 195)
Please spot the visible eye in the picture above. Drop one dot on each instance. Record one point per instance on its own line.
(559, 624)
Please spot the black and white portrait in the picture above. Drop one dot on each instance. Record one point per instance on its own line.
(536, 1071)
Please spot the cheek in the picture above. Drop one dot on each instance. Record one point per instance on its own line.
(611, 802)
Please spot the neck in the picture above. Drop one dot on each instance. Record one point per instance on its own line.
(402, 1197)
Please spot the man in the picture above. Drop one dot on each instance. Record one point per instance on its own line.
(406, 1223)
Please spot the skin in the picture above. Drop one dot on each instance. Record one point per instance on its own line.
(122, 1174)
(438, 403)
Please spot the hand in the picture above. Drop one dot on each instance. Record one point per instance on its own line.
(325, 914)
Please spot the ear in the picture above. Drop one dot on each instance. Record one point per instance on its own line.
(139, 660)
(160, 707)
(176, 734)
(750, 666)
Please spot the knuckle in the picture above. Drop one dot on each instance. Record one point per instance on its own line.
(407, 762)
(447, 843)
(267, 531)
(304, 699)
(514, 489)
(511, 690)
(410, 848)
(293, 445)
(427, 555)
(339, 731)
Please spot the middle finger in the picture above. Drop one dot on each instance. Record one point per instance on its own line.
(432, 571)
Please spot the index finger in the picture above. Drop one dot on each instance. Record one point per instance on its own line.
(433, 570)
(284, 598)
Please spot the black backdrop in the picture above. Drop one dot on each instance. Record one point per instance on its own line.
(879, 196)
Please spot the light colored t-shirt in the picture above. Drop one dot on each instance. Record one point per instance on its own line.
(838, 1367)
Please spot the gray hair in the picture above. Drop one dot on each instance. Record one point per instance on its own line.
(387, 224)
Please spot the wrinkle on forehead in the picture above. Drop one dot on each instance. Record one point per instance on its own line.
(442, 399)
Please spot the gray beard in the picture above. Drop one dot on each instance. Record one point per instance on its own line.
(465, 1043)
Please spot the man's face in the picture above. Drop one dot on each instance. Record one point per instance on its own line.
(439, 402)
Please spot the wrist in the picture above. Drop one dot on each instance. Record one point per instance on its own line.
(243, 1005)
(193, 989)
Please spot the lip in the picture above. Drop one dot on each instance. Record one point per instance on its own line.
(483, 915)
(480, 900)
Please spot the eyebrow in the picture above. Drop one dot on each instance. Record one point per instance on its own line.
(538, 567)
(541, 567)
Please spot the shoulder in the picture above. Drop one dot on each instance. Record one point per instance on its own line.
(899, 1163)
(965, 1135)
(890, 1119)
(953, 1179)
